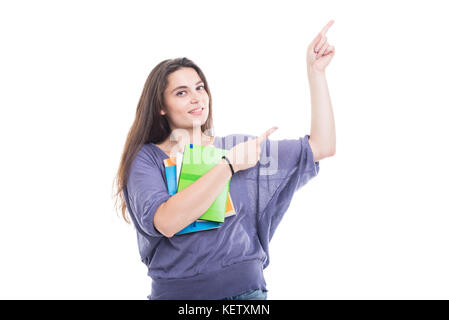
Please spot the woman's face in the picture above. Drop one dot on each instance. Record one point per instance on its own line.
(185, 92)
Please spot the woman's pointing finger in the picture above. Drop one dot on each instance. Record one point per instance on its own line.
(326, 27)
(265, 135)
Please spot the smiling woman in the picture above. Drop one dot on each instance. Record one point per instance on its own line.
(175, 108)
(186, 101)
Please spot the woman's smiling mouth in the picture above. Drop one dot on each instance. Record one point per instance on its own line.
(196, 112)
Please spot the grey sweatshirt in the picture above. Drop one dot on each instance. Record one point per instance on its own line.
(223, 262)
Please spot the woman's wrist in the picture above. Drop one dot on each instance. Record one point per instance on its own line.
(225, 163)
(313, 73)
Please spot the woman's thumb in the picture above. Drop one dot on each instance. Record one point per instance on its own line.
(315, 42)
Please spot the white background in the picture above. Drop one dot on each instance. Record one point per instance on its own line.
(372, 225)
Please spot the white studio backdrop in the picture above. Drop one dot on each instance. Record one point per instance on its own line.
(372, 225)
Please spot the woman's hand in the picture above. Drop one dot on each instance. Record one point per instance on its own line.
(319, 52)
(246, 154)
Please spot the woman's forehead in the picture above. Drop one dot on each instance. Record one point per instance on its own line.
(183, 76)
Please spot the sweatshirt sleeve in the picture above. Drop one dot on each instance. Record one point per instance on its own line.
(146, 191)
(288, 165)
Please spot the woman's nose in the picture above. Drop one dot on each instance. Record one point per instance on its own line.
(195, 97)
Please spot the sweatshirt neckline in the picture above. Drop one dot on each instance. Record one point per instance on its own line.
(214, 143)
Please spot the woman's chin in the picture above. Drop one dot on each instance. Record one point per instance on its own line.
(200, 118)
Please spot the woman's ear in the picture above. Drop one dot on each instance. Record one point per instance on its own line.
(162, 112)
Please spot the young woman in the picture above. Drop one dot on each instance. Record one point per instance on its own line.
(175, 109)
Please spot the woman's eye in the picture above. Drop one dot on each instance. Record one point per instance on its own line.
(185, 91)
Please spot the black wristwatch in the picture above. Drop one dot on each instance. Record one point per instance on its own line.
(229, 162)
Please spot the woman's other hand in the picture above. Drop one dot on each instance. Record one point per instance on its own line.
(319, 52)
(246, 154)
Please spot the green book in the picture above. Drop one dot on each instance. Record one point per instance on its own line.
(196, 162)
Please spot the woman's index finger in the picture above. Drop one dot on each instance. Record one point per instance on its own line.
(327, 26)
(265, 135)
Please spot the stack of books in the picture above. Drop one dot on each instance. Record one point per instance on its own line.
(187, 167)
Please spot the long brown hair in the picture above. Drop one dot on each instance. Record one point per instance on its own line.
(149, 125)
